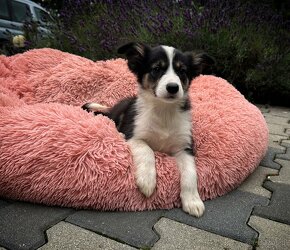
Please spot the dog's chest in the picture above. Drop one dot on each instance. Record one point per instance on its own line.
(168, 132)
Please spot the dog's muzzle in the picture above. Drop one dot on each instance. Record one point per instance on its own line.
(172, 88)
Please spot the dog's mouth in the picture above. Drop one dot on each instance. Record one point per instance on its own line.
(168, 98)
(171, 97)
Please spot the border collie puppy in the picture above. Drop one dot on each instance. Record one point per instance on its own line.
(159, 118)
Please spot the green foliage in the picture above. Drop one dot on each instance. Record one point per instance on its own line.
(249, 43)
(254, 60)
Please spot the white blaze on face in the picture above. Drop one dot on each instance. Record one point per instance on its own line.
(169, 77)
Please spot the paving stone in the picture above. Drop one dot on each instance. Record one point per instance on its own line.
(272, 119)
(275, 141)
(22, 225)
(65, 236)
(226, 216)
(284, 174)
(133, 228)
(268, 160)
(272, 235)
(177, 236)
(280, 111)
(4, 203)
(253, 184)
(279, 206)
(286, 143)
(286, 155)
(277, 129)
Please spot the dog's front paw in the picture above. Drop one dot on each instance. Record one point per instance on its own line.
(146, 181)
(193, 206)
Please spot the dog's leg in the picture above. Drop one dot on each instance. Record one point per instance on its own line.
(144, 161)
(191, 202)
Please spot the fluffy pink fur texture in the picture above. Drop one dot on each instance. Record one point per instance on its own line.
(53, 152)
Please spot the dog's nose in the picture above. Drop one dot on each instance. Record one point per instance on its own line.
(172, 88)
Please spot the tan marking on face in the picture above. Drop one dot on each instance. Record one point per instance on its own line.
(185, 85)
(149, 85)
(178, 64)
(146, 83)
(161, 64)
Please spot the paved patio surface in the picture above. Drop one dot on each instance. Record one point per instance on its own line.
(255, 216)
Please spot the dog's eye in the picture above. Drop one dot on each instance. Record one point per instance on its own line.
(156, 69)
(181, 70)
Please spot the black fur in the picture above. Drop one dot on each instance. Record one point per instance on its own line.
(191, 148)
(186, 105)
(153, 63)
(123, 115)
(189, 151)
(141, 58)
(86, 107)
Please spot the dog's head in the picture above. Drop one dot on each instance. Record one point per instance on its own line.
(163, 71)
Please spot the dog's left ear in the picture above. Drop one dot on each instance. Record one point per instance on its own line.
(200, 62)
(135, 53)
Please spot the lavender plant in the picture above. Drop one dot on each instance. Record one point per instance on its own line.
(249, 42)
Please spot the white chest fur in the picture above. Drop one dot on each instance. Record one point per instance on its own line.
(163, 126)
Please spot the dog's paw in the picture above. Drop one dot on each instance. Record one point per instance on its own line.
(193, 206)
(94, 107)
(86, 107)
(146, 182)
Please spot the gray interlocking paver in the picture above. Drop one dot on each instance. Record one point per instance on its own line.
(275, 141)
(279, 206)
(133, 228)
(280, 111)
(226, 216)
(286, 143)
(4, 203)
(272, 119)
(277, 129)
(286, 155)
(272, 235)
(284, 174)
(64, 236)
(22, 225)
(177, 236)
(253, 184)
(268, 160)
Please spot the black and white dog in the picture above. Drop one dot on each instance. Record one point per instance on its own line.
(159, 118)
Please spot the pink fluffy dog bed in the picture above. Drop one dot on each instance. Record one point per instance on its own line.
(53, 152)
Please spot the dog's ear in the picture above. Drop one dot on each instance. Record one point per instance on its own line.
(135, 53)
(200, 63)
